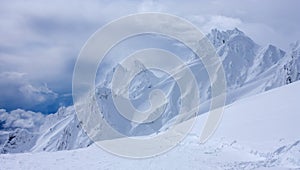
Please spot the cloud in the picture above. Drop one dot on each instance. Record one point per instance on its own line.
(208, 22)
(43, 38)
(18, 92)
(150, 6)
(21, 119)
(280, 16)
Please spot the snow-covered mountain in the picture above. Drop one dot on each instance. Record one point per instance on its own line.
(59, 131)
(254, 134)
(250, 69)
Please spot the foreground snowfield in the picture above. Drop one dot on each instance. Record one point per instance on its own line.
(259, 132)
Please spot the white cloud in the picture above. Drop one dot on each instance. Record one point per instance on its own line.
(43, 38)
(21, 119)
(150, 6)
(18, 92)
(208, 22)
(222, 22)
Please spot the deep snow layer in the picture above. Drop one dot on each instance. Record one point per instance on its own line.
(259, 132)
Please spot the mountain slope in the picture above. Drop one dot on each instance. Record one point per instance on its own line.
(249, 68)
(59, 131)
(259, 132)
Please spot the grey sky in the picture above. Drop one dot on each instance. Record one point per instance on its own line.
(41, 39)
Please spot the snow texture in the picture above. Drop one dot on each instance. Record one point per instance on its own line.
(254, 134)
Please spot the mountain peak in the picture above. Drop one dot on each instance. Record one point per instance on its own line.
(273, 49)
(229, 33)
(218, 37)
(235, 31)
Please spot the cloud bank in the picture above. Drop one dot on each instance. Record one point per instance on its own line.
(21, 119)
(18, 92)
(40, 40)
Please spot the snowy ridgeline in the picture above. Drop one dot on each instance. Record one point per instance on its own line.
(249, 68)
(253, 134)
(59, 131)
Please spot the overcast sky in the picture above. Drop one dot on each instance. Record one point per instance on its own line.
(40, 40)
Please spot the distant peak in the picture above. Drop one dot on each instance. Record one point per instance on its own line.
(271, 47)
(218, 37)
(234, 31)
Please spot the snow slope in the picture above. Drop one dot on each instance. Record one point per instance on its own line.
(259, 132)
(249, 68)
(54, 132)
